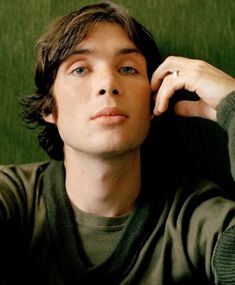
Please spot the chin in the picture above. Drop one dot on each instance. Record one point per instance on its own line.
(118, 150)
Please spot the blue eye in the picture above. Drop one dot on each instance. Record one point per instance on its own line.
(80, 71)
(128, 70)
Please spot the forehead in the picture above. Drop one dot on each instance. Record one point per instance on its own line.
(105, 29)
(105, 37)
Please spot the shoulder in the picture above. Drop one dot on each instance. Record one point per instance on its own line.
(20, 187)
(22, 168)
(201, 213)
(24, 175)
(201, 199)
(202, 210)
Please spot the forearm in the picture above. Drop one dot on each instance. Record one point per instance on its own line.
(226, 119)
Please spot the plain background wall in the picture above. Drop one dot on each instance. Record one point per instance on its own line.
(202, 29)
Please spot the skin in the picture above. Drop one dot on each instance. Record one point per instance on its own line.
(103, 129)
(208, 82)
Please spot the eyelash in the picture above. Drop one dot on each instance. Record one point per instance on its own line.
(123, 70)
(85, 70)
(129, 68)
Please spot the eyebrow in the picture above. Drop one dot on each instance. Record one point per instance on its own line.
(122, 51)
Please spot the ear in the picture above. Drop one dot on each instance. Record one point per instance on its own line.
(49, 118)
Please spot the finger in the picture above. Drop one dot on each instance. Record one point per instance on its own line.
(157, 79)
(195, 109)
(169, 86)
(171, 64)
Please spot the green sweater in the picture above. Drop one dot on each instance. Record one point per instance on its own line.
(183, 234)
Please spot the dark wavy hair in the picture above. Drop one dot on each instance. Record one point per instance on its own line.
(56, 44)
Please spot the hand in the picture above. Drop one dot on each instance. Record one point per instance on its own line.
(208, 82)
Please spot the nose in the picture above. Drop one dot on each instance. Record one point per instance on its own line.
(108, 83)
(113, 92)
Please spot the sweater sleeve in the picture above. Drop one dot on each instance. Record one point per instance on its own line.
(224, 258)
(226, 119)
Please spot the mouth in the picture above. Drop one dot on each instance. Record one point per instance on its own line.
(109, 115)
(109, 112)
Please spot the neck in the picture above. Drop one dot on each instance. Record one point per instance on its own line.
(103, 186)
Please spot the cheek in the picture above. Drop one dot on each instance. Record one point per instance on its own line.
(69, 110)
(69, 101)
(144, 96)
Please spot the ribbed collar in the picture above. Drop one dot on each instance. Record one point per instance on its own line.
(64, 236)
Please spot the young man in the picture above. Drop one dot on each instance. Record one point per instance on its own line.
(90, 215)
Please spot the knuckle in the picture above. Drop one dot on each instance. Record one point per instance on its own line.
(200, 64)
(170, 58)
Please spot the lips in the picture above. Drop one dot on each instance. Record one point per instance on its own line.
(109, 112)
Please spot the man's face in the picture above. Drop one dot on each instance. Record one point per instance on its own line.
(91, 117)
